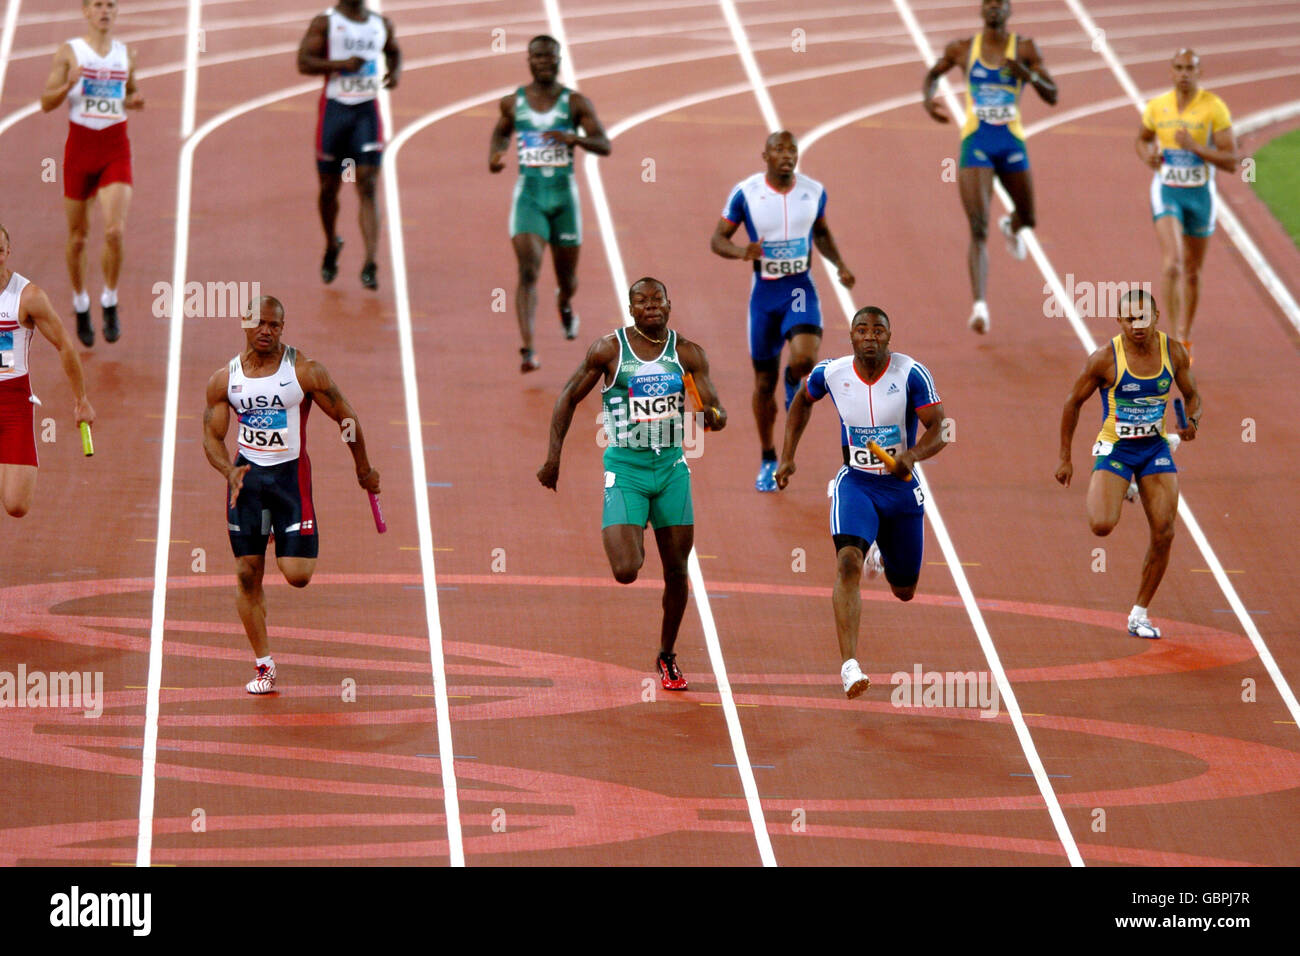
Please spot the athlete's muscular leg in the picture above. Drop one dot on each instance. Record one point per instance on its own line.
(1020, 186)
(1170, 233)
(803, 353)
(1194, 248)
(765, 375)
(18, 488)
(1160, 499)
(847, 600)
(297, 571)
(327, 201)
(675, 544)
(114, 201)
(528, 252)
(78, 214)
(367, 187)
(1105, 499)
(975, 183)
(250, 599)
(625, 548)
(565, 260)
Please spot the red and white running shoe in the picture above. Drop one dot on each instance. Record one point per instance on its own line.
(264, 682)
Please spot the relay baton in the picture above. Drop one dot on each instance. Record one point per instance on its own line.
(1182, 415)
(87, 443)
(693, 391)
(884, 456)
(379, 515)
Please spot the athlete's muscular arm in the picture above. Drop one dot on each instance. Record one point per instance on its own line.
(316, 382)
(584, 118)
(1029, 67)
(825, 244)
(392, 57)
(1096, 374)
(796, 420)
(133, 100)
(216, 422)
(35, 305)
(1148, 149)
(722, 245)
(927, 446)
(64, 75)
(1224, 153)
(953, 54)
(599, 364)
(313, 51)
(696, 362)
(1187, 385)
(501, 133)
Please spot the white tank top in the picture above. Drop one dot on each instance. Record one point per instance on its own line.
(348, 38)
(15, 338)
(271, 431)
(98, 99)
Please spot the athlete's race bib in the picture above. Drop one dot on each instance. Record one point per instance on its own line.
(6, 350)
(1136, 429)
(783, 257)
(264, 428)
(1183, 169)
(536, 150)
(655, 396)
(1142, 419)
(102, 99)
(888, 437)
(995, 106)
(363, 84)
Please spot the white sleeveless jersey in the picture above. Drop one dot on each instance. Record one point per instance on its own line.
(783, 222)
(348, 38)
(97, 101)
(883, 411)
(15, 338)
(271, 430)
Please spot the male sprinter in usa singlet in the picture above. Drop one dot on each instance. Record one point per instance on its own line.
(271, 387)
(1134, 371)
(877, 508)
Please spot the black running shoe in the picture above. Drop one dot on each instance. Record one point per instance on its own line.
(329, 266)
(111, 331)
(529, 362)
(369, 276)
(85, 331)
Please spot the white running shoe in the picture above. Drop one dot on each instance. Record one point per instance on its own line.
(1142, 627)
(1174, 441)
(264, 682)
(855, 682)
(1132, 493)
(872, 563)
(979, 318)
(1015, 245)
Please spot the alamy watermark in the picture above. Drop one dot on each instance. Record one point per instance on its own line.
(78, 690)
(1090, 299)
(945, 689)
(660, 433)
(206, 300)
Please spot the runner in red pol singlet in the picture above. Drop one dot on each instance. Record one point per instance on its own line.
(96, 75)
(24, 309)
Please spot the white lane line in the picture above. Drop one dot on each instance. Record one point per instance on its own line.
(167, 476)
(1275, 114)
(747, 59)
(1274, 285)
(7, 39)
(420, 487)
(1232, 226)
(190, 92)
(700, 591)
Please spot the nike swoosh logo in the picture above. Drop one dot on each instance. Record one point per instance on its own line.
(283, 384)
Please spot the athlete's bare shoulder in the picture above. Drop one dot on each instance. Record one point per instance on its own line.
(218, 384)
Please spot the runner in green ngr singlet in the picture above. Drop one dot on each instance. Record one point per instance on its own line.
(647, 479)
